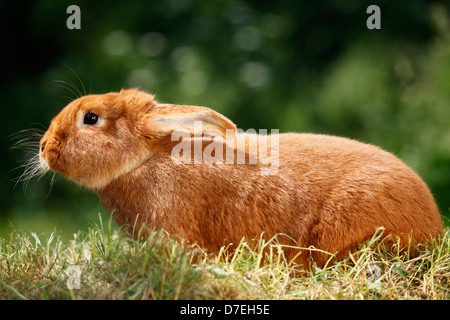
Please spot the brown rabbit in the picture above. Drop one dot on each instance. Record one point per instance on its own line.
(321, 191)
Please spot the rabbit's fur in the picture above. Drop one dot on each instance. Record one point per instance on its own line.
(327, 192)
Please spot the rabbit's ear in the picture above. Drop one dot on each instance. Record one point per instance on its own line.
(164, 119)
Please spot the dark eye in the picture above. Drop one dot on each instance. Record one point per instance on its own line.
(90, 119)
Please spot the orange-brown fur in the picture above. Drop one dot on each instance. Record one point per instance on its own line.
(330, 193)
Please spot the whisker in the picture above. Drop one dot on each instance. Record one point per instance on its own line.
(69, 87)
(40, 130)
(78, 77)
(52, 181)
(90, 82)
(66, 97)
(28, 141)
(32, 168)
(26, 132)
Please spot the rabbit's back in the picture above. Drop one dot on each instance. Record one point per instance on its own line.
(354, 188)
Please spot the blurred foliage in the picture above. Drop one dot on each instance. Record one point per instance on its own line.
(292, 65)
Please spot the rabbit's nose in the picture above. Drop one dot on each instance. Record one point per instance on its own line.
(43, 146)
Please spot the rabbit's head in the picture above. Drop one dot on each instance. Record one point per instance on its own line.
(97, 138)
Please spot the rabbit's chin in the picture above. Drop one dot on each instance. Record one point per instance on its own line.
(93, 183)
(103, 176)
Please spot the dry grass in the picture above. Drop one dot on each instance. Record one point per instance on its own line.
(111, 266)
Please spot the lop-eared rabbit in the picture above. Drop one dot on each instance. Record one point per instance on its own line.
(152, 170)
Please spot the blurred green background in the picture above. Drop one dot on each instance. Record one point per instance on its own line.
(305, 66)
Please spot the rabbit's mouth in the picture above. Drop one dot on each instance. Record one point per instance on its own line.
(42, 161)
(44, 164)
(50, 160)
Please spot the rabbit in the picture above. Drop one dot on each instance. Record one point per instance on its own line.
(325, 192)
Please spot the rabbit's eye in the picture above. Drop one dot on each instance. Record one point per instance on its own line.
(90, 119)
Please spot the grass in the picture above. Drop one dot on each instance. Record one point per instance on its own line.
(104, 264)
